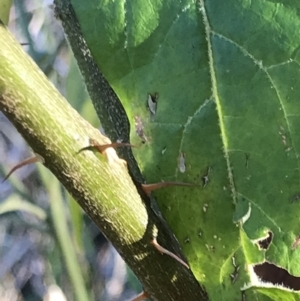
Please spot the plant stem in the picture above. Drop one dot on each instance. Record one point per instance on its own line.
(101, 185)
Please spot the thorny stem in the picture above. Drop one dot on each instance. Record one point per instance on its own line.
(101, 186)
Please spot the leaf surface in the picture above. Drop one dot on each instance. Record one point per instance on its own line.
(223, 112)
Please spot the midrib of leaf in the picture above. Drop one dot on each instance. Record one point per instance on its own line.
(215, 94)
(279, 99)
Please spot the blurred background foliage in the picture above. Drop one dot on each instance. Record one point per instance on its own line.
(49, 249)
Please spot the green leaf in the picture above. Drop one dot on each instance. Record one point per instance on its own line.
(15, 203)
(227, 78)
(59, 220)
(76, 216)
(279, 294)
(5, 6)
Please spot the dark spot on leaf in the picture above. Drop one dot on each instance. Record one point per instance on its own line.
(187, 240)
(243, 296)
(205, 177)
(139, 129)
(205, 206)
(152, 103)
(234, 275)
(295, 198)
(181, 162)
(210, 248)
(265, 243)
(269, 272)
(283, 136)
(296, 243)
(247, 160)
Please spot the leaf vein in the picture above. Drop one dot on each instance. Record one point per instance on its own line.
(184, 9)
(188, 122)
(264, 69)
(208, 33)
(261, 210)
(294, 150)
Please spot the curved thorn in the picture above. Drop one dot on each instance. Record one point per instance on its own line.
(89, 147)
(148, 188)
(34, 159)
(162, 250)
(140, 297)
(94, 145)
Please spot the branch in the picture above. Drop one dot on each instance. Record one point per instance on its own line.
(100, 184)
(108, 107)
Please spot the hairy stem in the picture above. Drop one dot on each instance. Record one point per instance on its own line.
(101, 185)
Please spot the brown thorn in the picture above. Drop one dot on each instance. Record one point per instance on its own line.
(94, 145)
(140, 297)
(162, 250)
(148, 188)
(34, 159)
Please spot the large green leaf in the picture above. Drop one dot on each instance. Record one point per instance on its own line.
(227, 78)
